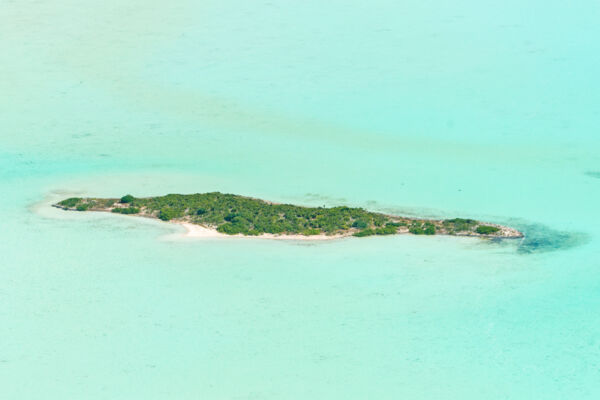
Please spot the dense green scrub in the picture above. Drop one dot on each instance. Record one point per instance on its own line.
(127, 210)
(233, 214)
(486, 230)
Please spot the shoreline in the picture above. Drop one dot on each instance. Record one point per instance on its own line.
(202, 232)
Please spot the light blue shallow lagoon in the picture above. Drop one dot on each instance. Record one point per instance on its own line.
(479, 109)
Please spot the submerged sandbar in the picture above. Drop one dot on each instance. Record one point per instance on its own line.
(231, 214)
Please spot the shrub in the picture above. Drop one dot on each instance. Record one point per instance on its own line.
(460, 224)
(232, 229)
(106, 203)
(82, 207)
(70, 202)
(486, 229)
(429, 229)
(311, 232)
(360, 224)
(365, 232)
(128, 210)
(167, 214)
(230, 216)
(388, 230)
(460, 221)
(127, 199)
(416, 230)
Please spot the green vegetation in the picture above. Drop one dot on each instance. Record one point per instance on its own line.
(416, 230)
(365, 232)
(86, 204)
(486, 229)
(127, 199)
(359, 224)
(387, 230)
(232, 214)
(168, 213)
(429, 229)
(71, 202)
(128, 210)
(310, 232)
(422, 228)
(459, 224)
(396, 224)
(460, 221)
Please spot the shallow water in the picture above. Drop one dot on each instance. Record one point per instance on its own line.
(473, 109)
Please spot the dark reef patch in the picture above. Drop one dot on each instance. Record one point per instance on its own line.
(593, 174)
(540, 239)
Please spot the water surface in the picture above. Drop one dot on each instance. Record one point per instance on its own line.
(475, 109)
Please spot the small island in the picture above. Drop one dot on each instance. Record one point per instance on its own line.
(231, 214)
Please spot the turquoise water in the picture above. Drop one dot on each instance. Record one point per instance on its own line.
(476, 109)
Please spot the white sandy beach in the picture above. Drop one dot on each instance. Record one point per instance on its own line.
(199, 231)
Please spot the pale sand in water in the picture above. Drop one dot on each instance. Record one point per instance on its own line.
(199, 231)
